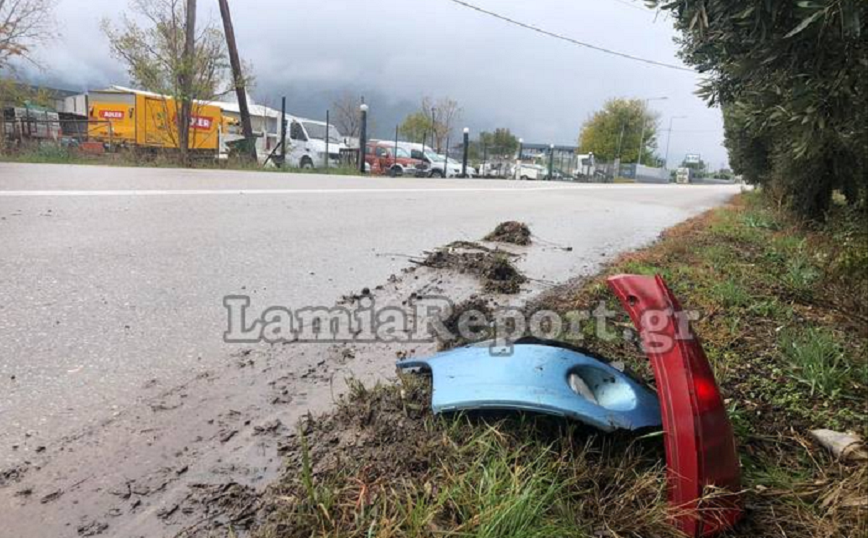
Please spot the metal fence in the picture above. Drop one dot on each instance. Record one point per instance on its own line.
(25, 129)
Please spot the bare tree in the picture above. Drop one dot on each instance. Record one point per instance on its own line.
(23, 25)
(444, 114)
(346, 115)
(156, 61)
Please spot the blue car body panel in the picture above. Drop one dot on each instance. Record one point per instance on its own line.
(537, 378)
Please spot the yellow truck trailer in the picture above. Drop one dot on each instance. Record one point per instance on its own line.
(147, 120)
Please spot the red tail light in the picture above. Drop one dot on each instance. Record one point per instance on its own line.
(702, 463)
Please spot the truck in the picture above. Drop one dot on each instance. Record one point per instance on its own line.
(586, 165)
(122, 116)
(529, 171)
(684, 175)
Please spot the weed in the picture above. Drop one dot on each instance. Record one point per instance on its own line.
(761, 219)
(817, 360)
(730, 294)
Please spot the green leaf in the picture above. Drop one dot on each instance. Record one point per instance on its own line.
(805, 23)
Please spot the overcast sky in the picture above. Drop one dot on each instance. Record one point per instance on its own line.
(396, 51)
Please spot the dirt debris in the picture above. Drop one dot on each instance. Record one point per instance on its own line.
(514, 232)
(460, 322)
(51, 497)
(230, 505)
(12, 475)
(493, 267)
(92, 528)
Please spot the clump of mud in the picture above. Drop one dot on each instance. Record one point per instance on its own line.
(494, 267)
(516, 233)
(460, 326)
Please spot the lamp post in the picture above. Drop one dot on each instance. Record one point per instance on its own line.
(642, 136)
(328, 128)
(363, 138)
(434, 129)
(466, 148)
(551, 162)
(446, 159)
(518, 158)
(669, 139)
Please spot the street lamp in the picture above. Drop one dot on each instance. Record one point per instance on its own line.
(518, 158)
(669, 139)
(434, 128)
(363, 137)
(551, 162)
(466, 147)
(642, 136)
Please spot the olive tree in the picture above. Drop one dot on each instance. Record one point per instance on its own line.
(791, 77)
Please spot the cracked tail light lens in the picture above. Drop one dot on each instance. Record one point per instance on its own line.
(703, 470)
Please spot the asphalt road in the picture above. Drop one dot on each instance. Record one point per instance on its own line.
(111, 278)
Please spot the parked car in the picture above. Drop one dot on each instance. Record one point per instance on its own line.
(383, 160)
(435, 161)
(307, 143)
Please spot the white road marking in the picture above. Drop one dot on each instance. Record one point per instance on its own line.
(225, 192)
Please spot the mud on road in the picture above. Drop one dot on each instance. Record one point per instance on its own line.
(191, 458)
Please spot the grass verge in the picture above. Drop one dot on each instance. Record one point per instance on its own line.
(784, 325)
(53, 154)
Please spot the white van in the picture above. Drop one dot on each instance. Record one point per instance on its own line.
(306, 141)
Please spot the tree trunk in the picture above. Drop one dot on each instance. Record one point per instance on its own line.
(186, 80)
(238, 78)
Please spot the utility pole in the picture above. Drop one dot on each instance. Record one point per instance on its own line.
(186, 79)
(621, 139)
(642, 136)
(669, 139)
(238, 78)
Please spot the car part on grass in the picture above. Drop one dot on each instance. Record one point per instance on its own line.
(702, 463)
(541, 378)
